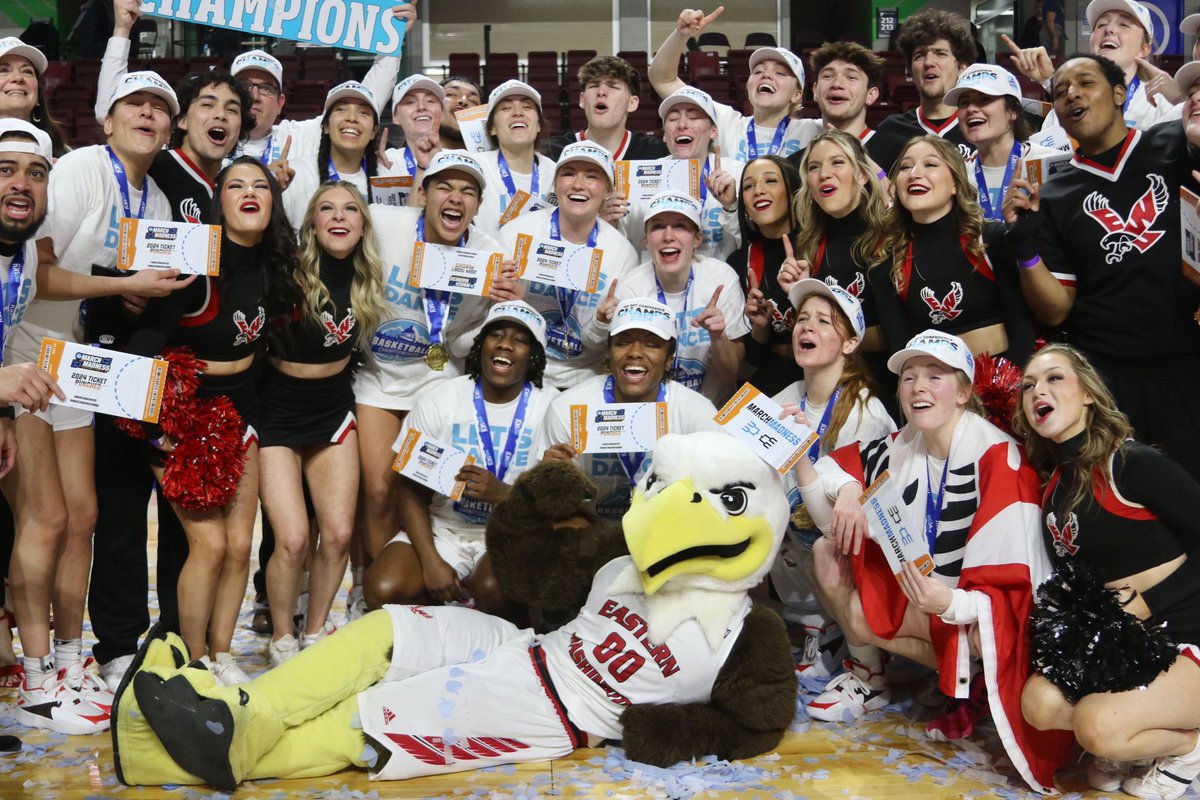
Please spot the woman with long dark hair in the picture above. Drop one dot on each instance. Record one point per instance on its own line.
(223, 320)
(23, 89)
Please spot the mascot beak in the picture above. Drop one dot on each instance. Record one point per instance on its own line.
(679, 532)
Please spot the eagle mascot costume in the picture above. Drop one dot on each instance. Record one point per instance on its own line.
(665, 651)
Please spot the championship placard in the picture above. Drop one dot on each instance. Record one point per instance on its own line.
(617, 427)
(191, 248)
(522, 203)
(1039, 170)
(558, 263)
(472, 124)
(366, 25)
(641, 180)
(1189, 229)
(105, 381)
(454, 269)
(757, 420)
(900, 540)
(432, 464)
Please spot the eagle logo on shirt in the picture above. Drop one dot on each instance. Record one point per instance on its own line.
(946, 308)
(855, 288)
(1064, 537)
(248, 331)
(1123, 235)
(337, 332)
(189, 209)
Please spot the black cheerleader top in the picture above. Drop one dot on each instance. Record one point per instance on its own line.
(1143, 517)
(763, 257)
(306, 341)
(220, 319)
(948, 289)
(834, 261)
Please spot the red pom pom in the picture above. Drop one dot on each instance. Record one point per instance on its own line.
(204, 470)
(130, 427)
(997, 382)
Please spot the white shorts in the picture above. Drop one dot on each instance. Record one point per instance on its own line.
(473, 696)
(462, 553)
(395, 387)
(60, 418)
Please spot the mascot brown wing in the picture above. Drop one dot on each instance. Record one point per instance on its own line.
(753, 703)
(544, 550)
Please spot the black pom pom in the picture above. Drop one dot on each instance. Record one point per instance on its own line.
(1085, 642)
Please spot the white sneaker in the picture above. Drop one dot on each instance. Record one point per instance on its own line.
(850, 695)
(283, 649)
(1169, 777)
(84, 680)
(309, 639)
(810, 664)
(55, 706)
(113, 671)
(226, 670)
(356, 606)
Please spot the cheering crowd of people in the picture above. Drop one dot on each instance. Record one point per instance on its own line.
(865, 278)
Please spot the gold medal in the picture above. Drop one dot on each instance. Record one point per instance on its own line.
(437, 356)
(802, 519)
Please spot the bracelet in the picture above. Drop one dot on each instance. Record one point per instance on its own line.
(1031, 263)
(156, 443)
(882, 174)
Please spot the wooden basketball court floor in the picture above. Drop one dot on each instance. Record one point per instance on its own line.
(886, 755)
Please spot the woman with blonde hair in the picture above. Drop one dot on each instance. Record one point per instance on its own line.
(951, 270)
(1124, 512)
(307, 427)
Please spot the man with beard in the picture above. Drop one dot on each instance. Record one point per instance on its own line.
(937, 46)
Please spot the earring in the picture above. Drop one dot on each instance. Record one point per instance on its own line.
(36, 116)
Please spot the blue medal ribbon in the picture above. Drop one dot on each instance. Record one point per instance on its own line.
(933, 503)
(814, 452)
(985, 199)
(123, 184)
(410, 163)
(567, 297)
(687, 294)
(265, 157)
(514, 431)
(630, 462)
(776, 143)
(1129, 92)
(510, 186)
(436, 302)
(334, 175)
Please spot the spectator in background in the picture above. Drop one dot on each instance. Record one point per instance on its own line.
(460, 94)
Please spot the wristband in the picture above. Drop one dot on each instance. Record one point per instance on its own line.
(1030, 263)
(882, 174)
(155, 443)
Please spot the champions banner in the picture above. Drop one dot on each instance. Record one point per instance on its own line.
(366, 25)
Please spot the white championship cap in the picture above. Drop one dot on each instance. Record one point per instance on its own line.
(417, 81)
(644, 314)
(950, 350)
(986, 79)
(350, 89)
(779, 54)
(847, 302)
(586, 151)
(134, 82)
(689, 94)
(523, 314)
(513, 88)
(461, 160)
(1097, 9)
(1190, 24)
(41, 146)
(259, 59)
(673, 202)
(12, 46)
(1187, 75)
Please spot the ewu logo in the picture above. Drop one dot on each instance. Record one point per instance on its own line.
(1123, 235)
(946, 308)
(1064, 537)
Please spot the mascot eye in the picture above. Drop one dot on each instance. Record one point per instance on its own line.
(651, 479)
(735, 501)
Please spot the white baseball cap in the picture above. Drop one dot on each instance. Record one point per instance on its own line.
(417, 81)
(779, 54)
(134, 82)
(950, 350)
(673, 202)
(586, 151)
(987, 79)
(689, 94)
(41, 146)
(1187, 75)
(12, 46)
(350, 89)
(644, 314)
(523, 314)
(445, 160)
(1097, 9)
(1190, 24)
(513, 88)
(848, 303)
(259, 59)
